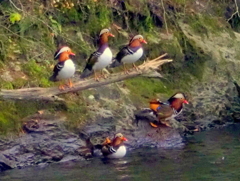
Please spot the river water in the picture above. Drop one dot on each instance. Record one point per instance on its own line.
(209, 155)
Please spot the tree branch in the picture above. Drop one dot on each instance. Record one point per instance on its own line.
(15, 6)
(51, 94)
(164, 17)
(236, 12)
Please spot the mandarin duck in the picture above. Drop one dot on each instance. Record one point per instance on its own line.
(65, 68)
(114, 148)
(166, 111)
(99, 59)
(130, 53)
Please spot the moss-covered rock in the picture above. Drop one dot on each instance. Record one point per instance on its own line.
(194, 34)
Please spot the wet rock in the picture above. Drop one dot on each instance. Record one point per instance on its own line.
(236, 117)
(53, 150)
(45, 141)
(6, 163)
(219, 122)
(138, 132)
(163, 136)
(85, 152)
(31, 126)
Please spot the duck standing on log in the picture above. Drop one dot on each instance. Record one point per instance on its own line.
(130, 53)
(65, 68)
(99, 59)
(166, 111)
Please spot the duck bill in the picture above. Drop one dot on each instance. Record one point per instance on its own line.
(71, 53)
(144, 41)
(110, 34)
(124, 139)
(185, 102)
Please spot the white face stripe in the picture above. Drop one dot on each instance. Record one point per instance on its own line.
(103, 31)
(137, 37)
(119, 135)
(179, 96)
(63, 49)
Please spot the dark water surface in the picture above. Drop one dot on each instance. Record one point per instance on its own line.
(209, 155)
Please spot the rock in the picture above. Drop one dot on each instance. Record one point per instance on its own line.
(85, 152)
(45, 141)
(53, 150)
(31, 126)
(236, 117)
(6, 163)
(91, 97)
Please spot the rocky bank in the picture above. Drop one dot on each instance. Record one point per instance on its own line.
(206, 67)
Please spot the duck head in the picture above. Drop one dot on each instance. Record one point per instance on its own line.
(137, 41)
(118, 139)
(63, 53)
(177, 101)
(103, 36)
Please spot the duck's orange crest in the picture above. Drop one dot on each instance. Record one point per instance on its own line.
(154, 107)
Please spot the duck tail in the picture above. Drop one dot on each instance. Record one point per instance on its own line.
(86, 73)
(98, 146)
(115, 63)
(53, 78)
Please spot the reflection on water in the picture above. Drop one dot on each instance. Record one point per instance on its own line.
(210, 155)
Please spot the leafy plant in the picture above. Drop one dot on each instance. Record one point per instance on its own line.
(14, 17)
(57, 27)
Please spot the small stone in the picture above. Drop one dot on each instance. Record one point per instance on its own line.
(91, 97)
(6, 76)
(40, 112)
(17, 68)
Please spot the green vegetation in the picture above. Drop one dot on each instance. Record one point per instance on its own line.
(76, 111)
(31, 31)
(12, 113)
(144, 89)
(202, 24)
(39, 73)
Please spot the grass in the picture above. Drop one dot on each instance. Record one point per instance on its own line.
(39, 73)
(143, 89)
(204, 23)
(33, 40)
(12, 112)
(76, 111)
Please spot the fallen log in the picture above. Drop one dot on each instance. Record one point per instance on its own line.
(51, 94)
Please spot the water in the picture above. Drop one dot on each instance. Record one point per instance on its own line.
(210, 155)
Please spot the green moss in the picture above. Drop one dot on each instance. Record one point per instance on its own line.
(12, 113)
(30, 40)
(142, 89)
(76, 111)
(6, 85)
(188, 65)
(204, 23)
(39, 73)
(181, 2)
(197, 25)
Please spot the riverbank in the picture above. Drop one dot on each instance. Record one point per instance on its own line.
(201, 38)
